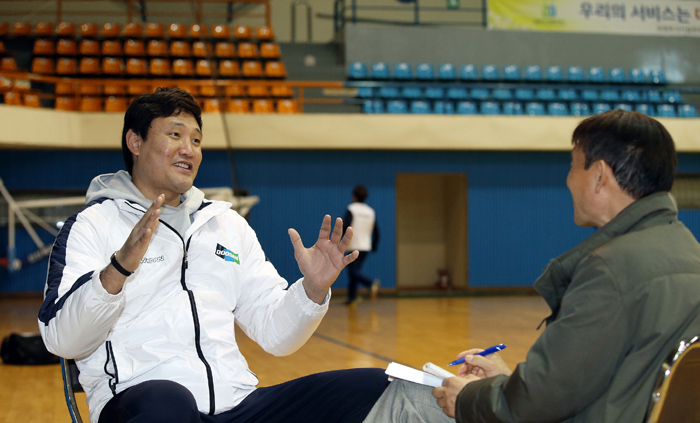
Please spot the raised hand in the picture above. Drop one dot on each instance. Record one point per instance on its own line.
(321, 264)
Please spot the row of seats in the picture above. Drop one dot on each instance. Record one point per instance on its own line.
(157, 67)
(512, 73)
(150, 30)
(518, 108)
(523, 94)
(229, 91)
(156, 48)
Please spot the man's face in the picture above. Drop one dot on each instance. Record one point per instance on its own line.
(168, 160)
(582, 184)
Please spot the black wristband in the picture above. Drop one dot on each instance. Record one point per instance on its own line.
(118, 266)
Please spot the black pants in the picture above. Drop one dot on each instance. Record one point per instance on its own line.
(356, 276)
(342, 396)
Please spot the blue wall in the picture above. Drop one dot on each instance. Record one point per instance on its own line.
(519, 208)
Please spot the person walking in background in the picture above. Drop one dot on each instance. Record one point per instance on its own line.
(363, 220)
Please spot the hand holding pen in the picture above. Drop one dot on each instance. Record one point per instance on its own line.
(482, 363)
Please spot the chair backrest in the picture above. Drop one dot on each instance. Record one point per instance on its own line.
(677, 389)
(71, 385)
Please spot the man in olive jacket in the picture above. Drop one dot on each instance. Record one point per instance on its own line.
(621, 300)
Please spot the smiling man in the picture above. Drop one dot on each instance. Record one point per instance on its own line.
(146, 282)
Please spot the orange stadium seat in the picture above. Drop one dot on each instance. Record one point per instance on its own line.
(115, 104)
(242, 32)
(8, 64)
(91, 104)
(263, 106)
(235, 90)
(229, 68)
(88, 30)
(114, 89)
(180, 49)
(133, 30)
(201, 49)
(237, 105)
(211, 105)
(252, 69)
(221, 31)
(43, 65)
(64, 88)
(65, 29)
(203, 67)
(155, 30)
(89, 66)
(287, 106)
(207, 91)
(177, 31)
(66, 103)
(43, 47)
(13, 98)
(282, 90)
(43, 29)
(4, 29)
(270, 51)
(247, 50)
(264, 33)
(90, 89)
(134, 48)
(198, 31)
(21, 29)
(183, 67)
(259, 91)
(157, 48)
(66, 47)
(136, 89)
(2, 47)
(224, 49)
(112, 48)
(275, 70)
(159, 67)
(136, 66)
(113, 66)
(32, 100)
(111, 30)
(66, 66)
(89, 47)
(192, 89)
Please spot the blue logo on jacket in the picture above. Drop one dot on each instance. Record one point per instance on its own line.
(227, 254)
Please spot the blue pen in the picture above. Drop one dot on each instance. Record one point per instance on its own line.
(487, 351)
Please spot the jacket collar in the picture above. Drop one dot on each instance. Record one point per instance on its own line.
(556, 277)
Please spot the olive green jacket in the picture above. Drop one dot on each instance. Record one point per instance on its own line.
(620, 302)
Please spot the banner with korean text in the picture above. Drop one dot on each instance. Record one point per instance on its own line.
(641, 17)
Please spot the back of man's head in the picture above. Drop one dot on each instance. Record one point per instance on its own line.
(638, 148)
(164, 102)
(359, 193)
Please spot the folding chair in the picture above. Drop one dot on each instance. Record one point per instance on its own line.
(677, 390)
(71, 385)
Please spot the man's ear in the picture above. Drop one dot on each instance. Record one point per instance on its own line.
(133, 142)
(604, 174)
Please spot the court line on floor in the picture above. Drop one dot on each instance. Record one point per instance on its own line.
(352, 347)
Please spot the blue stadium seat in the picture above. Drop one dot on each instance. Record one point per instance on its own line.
(665, 110)
(596, 74)
(490, 108)
(420, 107)
(600, 108)
(447, 72)
(545, 94)
(365, 92)
(647, 109)
(466, 108)
(589, 95)
(524, 94)
(502, 94)
(654, 96)
(380, 70)
(468, 73)
(411, 92)
(373, 106)
(389, 92)
(396, 107)
(568, 94)
(687, 111)
(490, 73)
(457, 93)
(512, 108)
(637, 76)
(579, 109)
(480, 93)
(533, 73)
(435, 92)
(443, 107)
(631, 96)
(657, 76)
(534, 108)
(624, 106)
(610, 95)
(554, 74)
(557, 109)
(617, 75)
(403, 71)
(575, 74)
(672, 96)
(425, 72)
(357, 70)
(512, 73)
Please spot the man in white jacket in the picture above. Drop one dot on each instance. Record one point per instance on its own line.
(146, 282)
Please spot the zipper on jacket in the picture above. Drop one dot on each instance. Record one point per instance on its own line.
(113, 377)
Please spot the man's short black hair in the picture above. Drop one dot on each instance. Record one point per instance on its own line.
(360, 193)
(164, 102)
(638, 148)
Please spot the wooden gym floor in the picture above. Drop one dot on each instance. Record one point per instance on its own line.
(411, 331)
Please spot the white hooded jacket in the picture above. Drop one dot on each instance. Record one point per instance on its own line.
(204, 270)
